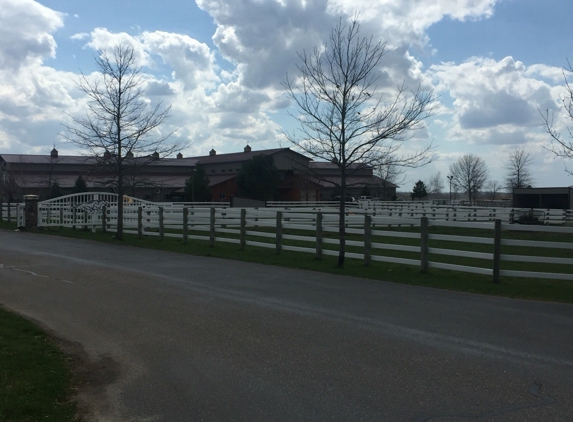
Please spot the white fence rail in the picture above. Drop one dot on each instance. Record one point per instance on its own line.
(9, 212)
(386, 232)
(461, 213)
(418, 209)
(85, 209)
(372, 237)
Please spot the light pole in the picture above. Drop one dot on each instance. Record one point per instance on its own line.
(450, 179)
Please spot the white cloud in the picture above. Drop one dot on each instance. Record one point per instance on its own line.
(33, 97)
(25, 32)
(204, 109)
(100, 39)
(494, 101)
(80, 36)
(493, 104)
(192, 61)
(264, 52)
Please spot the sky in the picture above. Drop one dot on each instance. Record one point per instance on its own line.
(220, 65)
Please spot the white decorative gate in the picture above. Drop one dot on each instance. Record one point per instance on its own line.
(86, 209)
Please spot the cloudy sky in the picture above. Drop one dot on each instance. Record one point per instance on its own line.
(220, 64)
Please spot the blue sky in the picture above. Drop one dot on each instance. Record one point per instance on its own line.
(220, 64)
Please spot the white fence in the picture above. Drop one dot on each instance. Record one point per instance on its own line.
(397, 234)
(85, 209)
(12, 212)
(460, 213)
(418, 209)
(371, 237)
(241, 225)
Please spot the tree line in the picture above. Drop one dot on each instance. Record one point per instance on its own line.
(470, 175)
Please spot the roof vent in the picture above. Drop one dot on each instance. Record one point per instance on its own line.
(54, 153)
(107, 155)
(212, 152)
(247, 148)
(155, 155)
(179, 156)
(129, 154)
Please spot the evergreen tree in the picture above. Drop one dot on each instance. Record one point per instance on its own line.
(419, 190)
(259, 178)
(80, 185)
(55, 190)
(197, 186)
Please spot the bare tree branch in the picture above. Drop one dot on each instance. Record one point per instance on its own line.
(469, 174)
(493, 188)
(561, 146)
(518, 170)
(344, 118)
(435, 184)
(120, 129)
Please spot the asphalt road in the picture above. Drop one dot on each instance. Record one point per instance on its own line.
(185, 338)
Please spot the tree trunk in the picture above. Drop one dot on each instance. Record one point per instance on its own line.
(341, 225)
(119, 232)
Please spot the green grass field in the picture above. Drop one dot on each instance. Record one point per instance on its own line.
(35, 381)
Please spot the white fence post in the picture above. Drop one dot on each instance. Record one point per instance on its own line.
(279, 226)
(139, 222)
(104, 219)
(212, 228)
(185, 224)
(496, 249)
(243, 230)
(161, 230)
(319, 236)
(367, 238)
(424, 244)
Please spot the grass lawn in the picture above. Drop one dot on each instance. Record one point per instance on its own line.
(35, 381)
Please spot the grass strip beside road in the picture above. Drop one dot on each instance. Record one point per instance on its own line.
(35, 380)
(522, 288)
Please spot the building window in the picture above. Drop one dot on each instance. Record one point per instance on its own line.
(212, 170)
(223, 171)
(222, 195)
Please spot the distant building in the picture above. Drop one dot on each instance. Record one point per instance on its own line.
(163, 179)
(549, 198)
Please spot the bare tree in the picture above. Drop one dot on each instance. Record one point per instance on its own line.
(344, 118)
(435, 184)
(9, 188)
(119, 123)
(469, 174)
(493, 188)
(389, 172)
(518, 170)
(560, 146)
